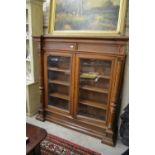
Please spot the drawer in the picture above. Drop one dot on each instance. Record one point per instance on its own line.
(60, 46)
(100, 48)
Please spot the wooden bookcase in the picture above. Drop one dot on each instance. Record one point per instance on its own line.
(80, 82)
(34, 26)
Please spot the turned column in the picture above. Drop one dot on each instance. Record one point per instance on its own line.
(113, 107)
(41, 112)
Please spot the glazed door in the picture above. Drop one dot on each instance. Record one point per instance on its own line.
(93, 83)
(58, 82)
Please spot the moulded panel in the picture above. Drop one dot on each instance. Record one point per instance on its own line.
(60, 46)
(101, 48)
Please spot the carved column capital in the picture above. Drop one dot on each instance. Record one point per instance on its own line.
(120, 59)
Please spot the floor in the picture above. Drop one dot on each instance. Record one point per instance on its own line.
(79, 138)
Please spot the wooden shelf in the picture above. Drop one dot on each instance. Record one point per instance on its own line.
(92, 117)
(59, 70)
(59, 95)
(95, 89)
(105, 76)
(59, 82)
(94, 104)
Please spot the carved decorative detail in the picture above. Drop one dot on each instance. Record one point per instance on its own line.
(115, 93)
(120, 59)
(41, 114)
(112, 114)
(122, 50)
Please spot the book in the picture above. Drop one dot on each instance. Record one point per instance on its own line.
(90, 75)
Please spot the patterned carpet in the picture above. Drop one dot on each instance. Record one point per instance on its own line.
(53, 145)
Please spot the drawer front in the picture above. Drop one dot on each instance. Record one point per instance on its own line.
(60, 46)
(100, 48)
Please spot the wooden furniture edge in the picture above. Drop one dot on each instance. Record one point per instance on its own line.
(115, 38)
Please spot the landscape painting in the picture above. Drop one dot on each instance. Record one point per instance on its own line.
(86, 15)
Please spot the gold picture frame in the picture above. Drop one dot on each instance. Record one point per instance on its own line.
(87, 17)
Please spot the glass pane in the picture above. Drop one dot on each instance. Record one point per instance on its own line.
(27, 50)
(98, 83)
(28, 71)
(94, 87)
(59, 103)
(26, 15)
(59, 62)
(98, 67)
(58, 76)
(93, 96)
(56, 88)
(58, 81)
(95, 113)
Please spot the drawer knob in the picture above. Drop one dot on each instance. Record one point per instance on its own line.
(71, 46)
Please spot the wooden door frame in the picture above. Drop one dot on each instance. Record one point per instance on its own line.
(97, 56)
(52, 108)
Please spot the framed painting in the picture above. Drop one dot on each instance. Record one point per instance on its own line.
(87, 17)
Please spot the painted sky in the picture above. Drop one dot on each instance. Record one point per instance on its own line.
(98, 3)
(94, 2)
(88, 4)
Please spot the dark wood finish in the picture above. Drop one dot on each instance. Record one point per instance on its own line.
(92, 106)
(94, 89)
(58, 95)
(61, 46)
(35, 135)
(99, 47)
(58, 70)
(41, 115)
(59, 82)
